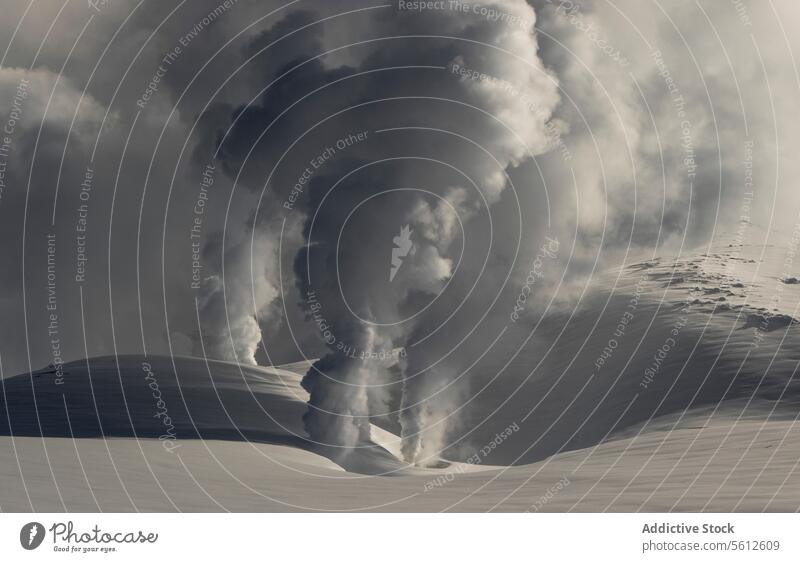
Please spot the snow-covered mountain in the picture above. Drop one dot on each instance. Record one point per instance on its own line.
(671, 385)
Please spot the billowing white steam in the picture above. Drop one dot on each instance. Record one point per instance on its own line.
(509, 82)
(494, 75)
(231, 303)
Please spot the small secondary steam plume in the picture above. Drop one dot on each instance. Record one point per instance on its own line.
(231, 304)
(425, 414)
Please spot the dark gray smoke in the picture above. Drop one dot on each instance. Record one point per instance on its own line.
(456, 129)
(379, 174)
(409, 140)
(623, 132)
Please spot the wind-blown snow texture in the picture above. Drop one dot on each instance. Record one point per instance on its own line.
(694, 391)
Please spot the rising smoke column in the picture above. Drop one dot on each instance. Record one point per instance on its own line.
(505, 101)
(241, 297)
(231, 304)
(417, 130)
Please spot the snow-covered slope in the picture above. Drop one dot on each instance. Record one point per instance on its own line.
(672, 385)
(663, 337)
(170, 399)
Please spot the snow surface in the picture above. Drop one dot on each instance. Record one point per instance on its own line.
(707, 424)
